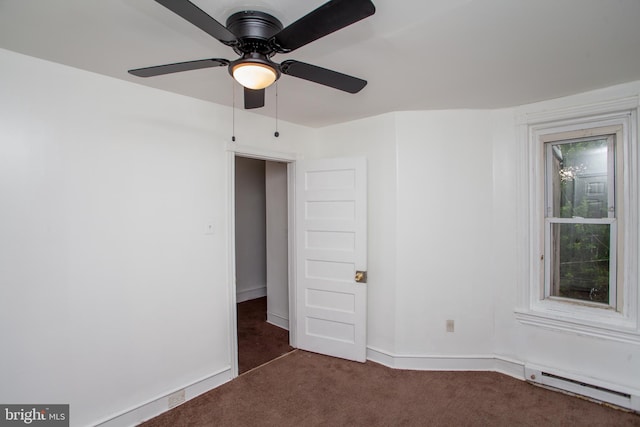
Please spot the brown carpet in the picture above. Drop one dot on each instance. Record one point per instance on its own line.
(307, 389)
(258, 341)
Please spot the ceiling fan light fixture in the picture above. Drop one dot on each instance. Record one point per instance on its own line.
(257, 36)
(253, 75)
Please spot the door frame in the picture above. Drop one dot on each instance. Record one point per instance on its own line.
(233, 151)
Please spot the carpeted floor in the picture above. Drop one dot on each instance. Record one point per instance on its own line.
(258, 341)
(307, 389)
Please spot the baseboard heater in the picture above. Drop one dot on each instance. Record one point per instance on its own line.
(588, 387)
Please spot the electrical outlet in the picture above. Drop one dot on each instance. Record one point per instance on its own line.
(176, 399)
(450, 325)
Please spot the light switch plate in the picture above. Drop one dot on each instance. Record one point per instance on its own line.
(209, 227)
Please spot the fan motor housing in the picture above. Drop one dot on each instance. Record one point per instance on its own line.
(253, 30)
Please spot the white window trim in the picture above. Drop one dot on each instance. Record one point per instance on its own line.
(558, 314)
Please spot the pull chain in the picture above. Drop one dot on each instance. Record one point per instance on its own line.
(276, 134)
(233, 120)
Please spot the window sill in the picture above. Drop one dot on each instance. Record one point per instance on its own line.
(613, 326)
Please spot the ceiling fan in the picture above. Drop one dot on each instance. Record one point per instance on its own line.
(258, 36)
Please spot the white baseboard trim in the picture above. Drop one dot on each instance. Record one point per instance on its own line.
(154, 407)
(250, 294)
(277, 320)
(420, 362)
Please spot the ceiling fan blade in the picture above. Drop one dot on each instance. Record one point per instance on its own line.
(253, 98)
(322, 76)
(326, 19)
(200, 19)
(179, 66)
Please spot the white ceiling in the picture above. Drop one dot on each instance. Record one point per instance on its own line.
(415, 54)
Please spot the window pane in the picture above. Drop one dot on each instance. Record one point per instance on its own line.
(579, 179)
(580, 261)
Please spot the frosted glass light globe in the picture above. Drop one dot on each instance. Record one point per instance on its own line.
(254, 76)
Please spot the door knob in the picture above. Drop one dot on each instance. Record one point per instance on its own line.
(361, 277)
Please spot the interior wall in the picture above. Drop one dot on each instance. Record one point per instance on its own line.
(251, 229)
(607, 360)
(443, 241)
(429, 195)
(115, 290)
(277, 235)
(444, 164)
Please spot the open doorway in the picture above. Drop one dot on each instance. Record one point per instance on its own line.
(262, 261)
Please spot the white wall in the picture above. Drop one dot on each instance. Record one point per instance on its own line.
(604, 359)
(251, 232)
(442, 227)
(429, 177)
(444, 206)
(113, 294)
(277, 220)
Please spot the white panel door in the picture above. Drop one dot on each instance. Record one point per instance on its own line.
(331, 246)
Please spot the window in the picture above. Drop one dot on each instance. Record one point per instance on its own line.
(579, 219)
